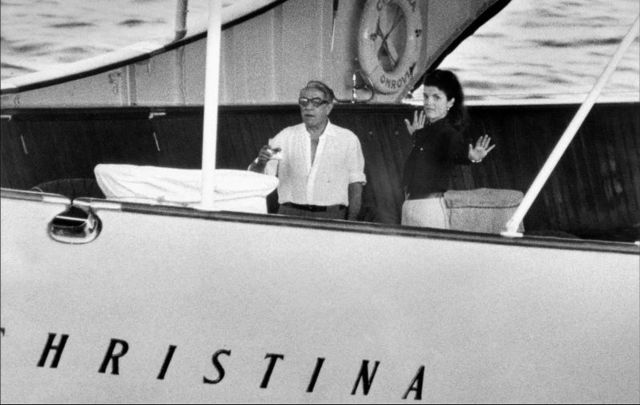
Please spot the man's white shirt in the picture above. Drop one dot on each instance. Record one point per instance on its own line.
(338, 162)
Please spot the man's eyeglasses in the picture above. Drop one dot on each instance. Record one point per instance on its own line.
(316, 101)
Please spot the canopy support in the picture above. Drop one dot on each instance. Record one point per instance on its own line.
(210, 125)
(512, 225)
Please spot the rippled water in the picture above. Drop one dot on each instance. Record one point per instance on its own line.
(533, 48)
(552, 48)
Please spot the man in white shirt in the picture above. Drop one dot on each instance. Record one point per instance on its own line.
(320, 165)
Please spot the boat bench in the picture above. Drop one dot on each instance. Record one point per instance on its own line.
(485, 210)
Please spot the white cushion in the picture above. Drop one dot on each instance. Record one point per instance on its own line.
(234, 190)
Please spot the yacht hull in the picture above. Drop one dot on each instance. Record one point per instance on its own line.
(167, 304)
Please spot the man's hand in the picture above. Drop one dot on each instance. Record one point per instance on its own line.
(355, 201)
(266, 153)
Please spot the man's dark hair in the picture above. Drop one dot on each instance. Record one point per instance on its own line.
(326, 90)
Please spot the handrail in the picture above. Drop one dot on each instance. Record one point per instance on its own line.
(511, 229)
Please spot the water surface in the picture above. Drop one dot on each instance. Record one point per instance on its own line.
(553, 49)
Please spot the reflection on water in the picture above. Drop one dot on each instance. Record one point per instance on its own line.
(532, 49)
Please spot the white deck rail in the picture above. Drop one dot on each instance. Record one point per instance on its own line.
(512, 225)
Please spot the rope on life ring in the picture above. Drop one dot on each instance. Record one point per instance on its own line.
(370, 41)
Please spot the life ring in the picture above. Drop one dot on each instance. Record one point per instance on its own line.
(389, 69)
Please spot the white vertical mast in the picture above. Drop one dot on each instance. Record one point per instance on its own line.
(210, 126)
(512, 225)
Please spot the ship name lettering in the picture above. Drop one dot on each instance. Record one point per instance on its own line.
(118, 349)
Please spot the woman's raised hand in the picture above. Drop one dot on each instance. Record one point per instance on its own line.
(418, 122)
(482, 148)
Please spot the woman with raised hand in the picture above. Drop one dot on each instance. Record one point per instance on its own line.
(438, 145)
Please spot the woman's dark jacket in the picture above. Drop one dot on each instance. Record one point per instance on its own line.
(438, 147)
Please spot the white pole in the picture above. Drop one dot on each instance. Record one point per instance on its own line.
(512, 225)
(181, 19)
(210, 126)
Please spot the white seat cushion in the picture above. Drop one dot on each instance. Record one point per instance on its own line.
(234, 190)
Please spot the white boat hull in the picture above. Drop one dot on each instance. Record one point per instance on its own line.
(445, 317)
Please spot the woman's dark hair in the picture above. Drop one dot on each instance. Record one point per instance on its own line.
(448, 82)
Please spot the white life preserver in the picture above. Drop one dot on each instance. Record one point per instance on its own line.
(389, 77)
